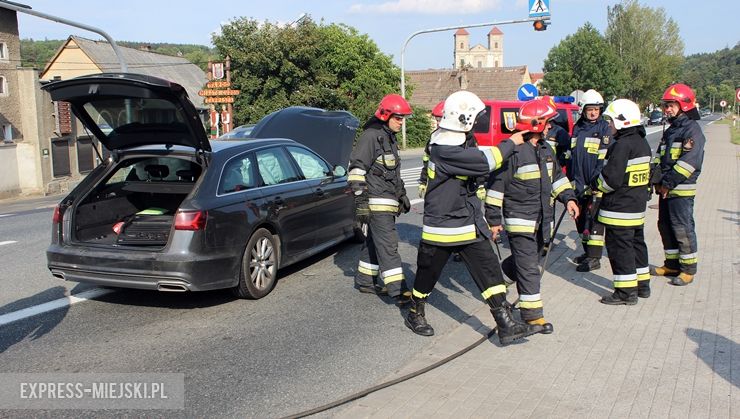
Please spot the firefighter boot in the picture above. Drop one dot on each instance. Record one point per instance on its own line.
(682, 279)
(416, 321)
(509, 329)
(546, 327)
(643, 289)
(579, 259)
(589, 264)
(665, 271)
(616, 299)
(403, 299)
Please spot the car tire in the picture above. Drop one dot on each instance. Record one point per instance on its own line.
(258, 273)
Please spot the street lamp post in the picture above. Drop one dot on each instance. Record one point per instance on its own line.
(448, 28)
(27, 10)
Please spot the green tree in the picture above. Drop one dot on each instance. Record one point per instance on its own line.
(583, 60)
(308, 64)
(648, 44)
(713, 76)
(418, 127)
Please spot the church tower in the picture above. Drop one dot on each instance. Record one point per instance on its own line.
(496, 47)
(462, 47)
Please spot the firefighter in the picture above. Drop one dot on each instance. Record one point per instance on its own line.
(520, 200)
(680, 157)
(453, 217)
(380, 195)
(437, 115)
(624, 182)
(559, 141)
(591, 135)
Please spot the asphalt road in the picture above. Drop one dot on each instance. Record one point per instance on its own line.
(314, 339)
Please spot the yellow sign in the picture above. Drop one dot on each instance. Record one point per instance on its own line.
(218, 84)
(217, 92)
(219, 99)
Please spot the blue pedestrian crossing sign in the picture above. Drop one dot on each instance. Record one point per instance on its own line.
(539, 8)
(527, 91)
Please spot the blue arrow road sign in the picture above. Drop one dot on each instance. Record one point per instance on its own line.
(527, 92)
(539, 8)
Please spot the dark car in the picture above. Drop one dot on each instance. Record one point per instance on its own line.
(655, 118)
(172, 211)
(239, 133)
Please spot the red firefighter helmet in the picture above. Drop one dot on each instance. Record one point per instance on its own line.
(534, 114)
(438, 110)
(682, 94)
(392, 104)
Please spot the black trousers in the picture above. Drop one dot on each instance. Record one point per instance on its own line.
(678, 232)
(379, 257)
(523, 267)
(591, 231)
(628, 256)
(480, 260)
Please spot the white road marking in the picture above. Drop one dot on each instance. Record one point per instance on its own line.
(52, 305)
(7, 242)
(46, 206)
(6, 215)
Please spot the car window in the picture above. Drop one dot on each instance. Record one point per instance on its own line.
(159, 169)
(238, 175)
(275, 167)
(483, 122)
(312, 166)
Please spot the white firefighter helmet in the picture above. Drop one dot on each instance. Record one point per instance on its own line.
(460, 110)
(590, 98)
(624, 113)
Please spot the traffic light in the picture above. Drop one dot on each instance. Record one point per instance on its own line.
(539, 25)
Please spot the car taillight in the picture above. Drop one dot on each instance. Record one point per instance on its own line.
(58, 215)
(190, 220)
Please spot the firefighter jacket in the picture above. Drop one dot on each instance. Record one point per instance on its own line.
(522, 192)
(680, 156)
(374, 168)
(624, 180)
(559, 140)
(588, 150)
(452, 211)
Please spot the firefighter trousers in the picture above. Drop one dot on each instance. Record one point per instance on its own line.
(478, 257)
(523, 267)
(678, 232)
(379, 258)
(628, 256)
(590, 230)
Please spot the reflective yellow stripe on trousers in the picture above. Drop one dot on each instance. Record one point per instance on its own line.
(448, 235)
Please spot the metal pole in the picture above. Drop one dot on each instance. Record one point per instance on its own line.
(448, 28)
(27, 10)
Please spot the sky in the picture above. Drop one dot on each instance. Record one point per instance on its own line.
(706, 26)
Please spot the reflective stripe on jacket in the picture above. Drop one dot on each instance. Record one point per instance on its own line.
(681, 154)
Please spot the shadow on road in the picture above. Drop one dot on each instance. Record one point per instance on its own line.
(33, 327)
(716, 351)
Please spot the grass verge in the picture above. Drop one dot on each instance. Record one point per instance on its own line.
(734, 131)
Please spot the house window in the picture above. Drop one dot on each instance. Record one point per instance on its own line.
(3, 86)
(495, 45)
(3, 51)
(480, 64)
(461, 45)
(495, 64)
(462, 62)
(7, 133)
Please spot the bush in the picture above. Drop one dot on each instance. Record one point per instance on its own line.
(418, 128)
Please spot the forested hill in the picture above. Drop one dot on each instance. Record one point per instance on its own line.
(37, 53)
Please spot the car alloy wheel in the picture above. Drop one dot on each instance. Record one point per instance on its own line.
(259, 265)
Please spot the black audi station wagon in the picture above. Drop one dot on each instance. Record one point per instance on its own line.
(170, 210)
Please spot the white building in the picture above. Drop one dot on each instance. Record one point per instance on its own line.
(479, 56)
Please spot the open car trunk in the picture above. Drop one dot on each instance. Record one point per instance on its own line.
(135, 204)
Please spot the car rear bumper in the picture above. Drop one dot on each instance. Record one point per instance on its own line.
(143, 270)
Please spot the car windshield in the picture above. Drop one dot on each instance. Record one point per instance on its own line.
(123, 116)
(656, 114)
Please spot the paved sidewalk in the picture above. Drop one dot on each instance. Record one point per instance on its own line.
(676, 354)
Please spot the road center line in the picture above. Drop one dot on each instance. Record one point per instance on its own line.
(52, 305)
(6, 215)
(8, 242)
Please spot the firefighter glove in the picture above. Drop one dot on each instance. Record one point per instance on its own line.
(404, 205)
(422, 190)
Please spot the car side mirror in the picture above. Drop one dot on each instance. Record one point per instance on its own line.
(339, 171)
